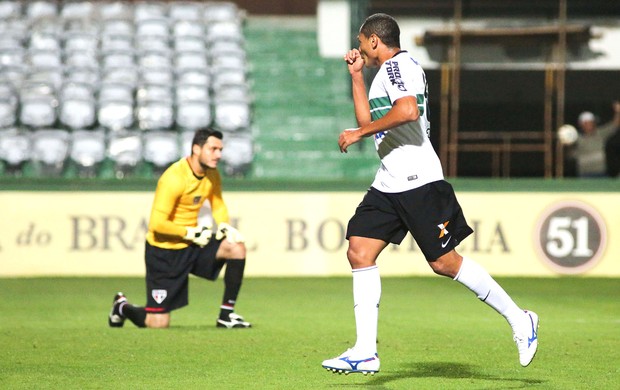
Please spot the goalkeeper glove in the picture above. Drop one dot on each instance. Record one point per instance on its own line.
(232, 235)
(199, 235)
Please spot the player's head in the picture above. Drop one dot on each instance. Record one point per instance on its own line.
(207, 147)
(384, 27)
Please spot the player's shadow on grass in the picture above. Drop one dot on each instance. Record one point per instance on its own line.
(447, 370)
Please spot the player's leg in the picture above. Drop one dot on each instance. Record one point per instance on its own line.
(473, 276)
(368, 232)
(362, 255)
(234, 255)
(122, 309)
(208, 264)
(437, 223)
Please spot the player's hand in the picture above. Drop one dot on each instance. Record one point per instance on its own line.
(231, 234)
(354, 60)
(347, 138)
(199, 235)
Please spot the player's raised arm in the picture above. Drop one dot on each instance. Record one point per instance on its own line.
(355, 65)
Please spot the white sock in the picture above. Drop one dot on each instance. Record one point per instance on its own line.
(478, 280)
(366, 297)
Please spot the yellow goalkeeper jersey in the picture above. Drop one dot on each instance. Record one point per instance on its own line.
(178, 199)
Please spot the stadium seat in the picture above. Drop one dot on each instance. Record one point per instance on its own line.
(238, 154)
(231, 115)
(115, 114)
(221, 12)
(193, 106)
(185, 140)
(191, 60)
(15, 149)
(228, 76)
(163, 76)
(154, 109)
(123, 75)
(154, 60)
(238, 92)
(41, 9)
(224, 31)
(10, 9)
(12, 56)
(185, 11)
(157, 28)
(77, 10)
(193, 114)
(161, 148)
(88, 150)
(125, 151)
(187, 29)
(189, 44)
(116, 10)
(149, 10)
(81, 59)
(89, 76)
(77, 106)
(117, 26)
(8, 105)
(193, 77)
(116, 42)
(50, 148)
(117, 59)
(38, 105)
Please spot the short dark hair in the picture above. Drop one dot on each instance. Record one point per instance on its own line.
(385, 27)
(201, 136)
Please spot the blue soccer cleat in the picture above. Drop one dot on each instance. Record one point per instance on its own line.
(348, 363)
(527, 338)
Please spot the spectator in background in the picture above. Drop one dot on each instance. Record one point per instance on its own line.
(593, 157)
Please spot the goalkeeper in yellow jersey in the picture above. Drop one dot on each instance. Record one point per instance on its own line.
(178, 245)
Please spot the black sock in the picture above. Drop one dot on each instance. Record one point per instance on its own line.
(135, 314)
(232, 284)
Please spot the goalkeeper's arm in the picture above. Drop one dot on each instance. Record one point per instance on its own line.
(199, 235)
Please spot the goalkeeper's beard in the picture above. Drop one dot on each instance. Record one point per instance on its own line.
(206, 167)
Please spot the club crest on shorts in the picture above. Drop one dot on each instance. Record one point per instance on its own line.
(159, 295)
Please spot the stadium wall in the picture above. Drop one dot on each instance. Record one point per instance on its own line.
(522, 228)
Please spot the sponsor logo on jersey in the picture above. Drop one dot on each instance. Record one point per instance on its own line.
(393, 72)
(571, 237)
(159, 295)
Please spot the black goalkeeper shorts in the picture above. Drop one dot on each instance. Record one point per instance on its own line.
(167, 273)
(431, 213)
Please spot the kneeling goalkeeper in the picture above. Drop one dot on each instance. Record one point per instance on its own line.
(177, 246)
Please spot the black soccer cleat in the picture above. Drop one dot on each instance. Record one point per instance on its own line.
(234, 321)
(115, 319)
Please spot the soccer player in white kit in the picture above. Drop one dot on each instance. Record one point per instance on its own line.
(408, 194)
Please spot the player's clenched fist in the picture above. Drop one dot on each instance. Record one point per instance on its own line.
(199, 235)
(354, 60)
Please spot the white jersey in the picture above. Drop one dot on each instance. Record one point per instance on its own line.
(408, 159)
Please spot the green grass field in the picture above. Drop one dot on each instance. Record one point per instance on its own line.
(433, 334)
